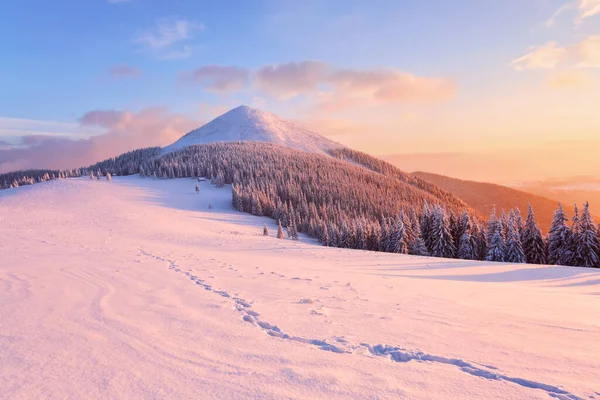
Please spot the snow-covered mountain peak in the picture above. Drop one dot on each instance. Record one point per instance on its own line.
(244, 123)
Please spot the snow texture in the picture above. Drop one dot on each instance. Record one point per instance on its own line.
(248, 124)
(133, 288)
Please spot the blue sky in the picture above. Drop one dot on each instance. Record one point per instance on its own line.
(74, 57)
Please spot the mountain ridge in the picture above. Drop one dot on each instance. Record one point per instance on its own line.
(483, 196)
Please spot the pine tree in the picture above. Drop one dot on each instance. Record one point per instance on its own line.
(399, 238)
(559, 252)
(504, 224)
(514, 251)
(441, 239)
(265, 230)
(426, 226)
(294, 227)
(574, 239)
(492, 226)
(588, 249)
(496, 248)
(465, 248)
(518, 220)
(532, 240)
(280, 230)
(418, 248)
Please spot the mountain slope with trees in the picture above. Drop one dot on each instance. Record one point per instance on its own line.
(483, 197)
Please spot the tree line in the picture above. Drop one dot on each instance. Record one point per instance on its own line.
(365, 203)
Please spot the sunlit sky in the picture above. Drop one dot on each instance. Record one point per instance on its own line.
(488, 90)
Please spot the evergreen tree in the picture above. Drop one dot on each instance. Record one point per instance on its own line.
(280, 230)
(514, 251)
(574, 239)
(426, 226)
(532, 240)
(496, 246)
(480, 239)
(559, 252)
(325, 235)
(294, 227)
(492, 226)
(518, 220)
(265, 230)
(504, 224)
(465, 248)
(418, 248)
(400, 245)
(441, 239)
(588, 249)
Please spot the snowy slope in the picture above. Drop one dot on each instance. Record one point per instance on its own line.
(135, 289)
(247, 124)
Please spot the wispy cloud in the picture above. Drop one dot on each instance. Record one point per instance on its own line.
(584, 9)
(17, 127)
(217, 78)
(546, 56)
(317, 84)
(123, 71)
(121, 131)
(166, 35)
(569, 78)
(291, 79)
(585, 54)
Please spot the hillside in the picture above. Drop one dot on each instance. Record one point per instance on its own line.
(251, 125)
(135, 289)
(483, 197)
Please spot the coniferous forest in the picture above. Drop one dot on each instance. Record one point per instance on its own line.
(353, 200)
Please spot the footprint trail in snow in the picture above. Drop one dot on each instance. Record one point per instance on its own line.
(393, 353)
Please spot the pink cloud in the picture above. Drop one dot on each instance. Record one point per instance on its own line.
(125, 131)
(391, 86)
(122, 71)
(291, 79)
(218, 78)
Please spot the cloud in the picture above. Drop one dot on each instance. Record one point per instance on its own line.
(546, 56)
(587, 53)
(218, 78)
(124, 131)
(585, 9)
(123, 71)
(167, 33)
(337, 89)
(588, 8)
(391, 86)
(568, 79)
(291, 79)
(17, 127)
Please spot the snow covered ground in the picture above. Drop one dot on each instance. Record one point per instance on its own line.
(136, 289)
